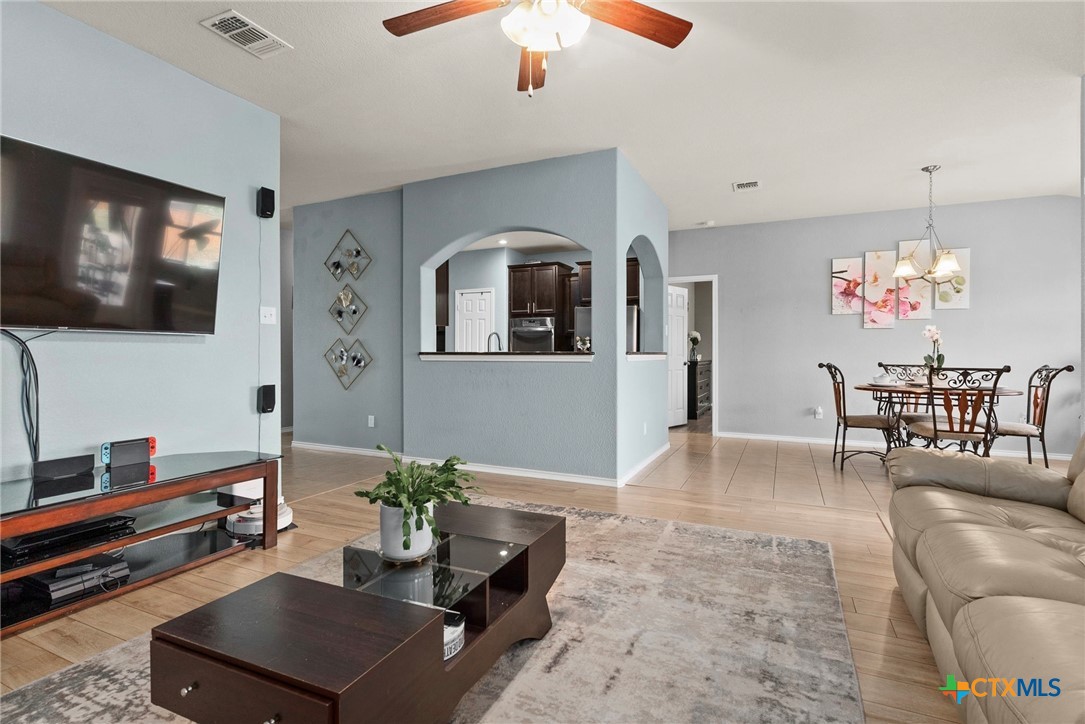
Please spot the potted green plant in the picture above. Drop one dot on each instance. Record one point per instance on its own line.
(407, 495)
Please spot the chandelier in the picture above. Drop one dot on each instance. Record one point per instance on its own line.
(944, 262)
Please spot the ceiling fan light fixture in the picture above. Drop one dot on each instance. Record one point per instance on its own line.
(543, 26)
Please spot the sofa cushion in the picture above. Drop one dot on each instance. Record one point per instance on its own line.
(1077, 462)
(961, 562)
(999, 478)
(1024, 638)
(914, 510)
(1075, 504)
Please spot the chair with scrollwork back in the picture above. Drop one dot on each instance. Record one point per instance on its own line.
(844, 421)
(1039, 391)
(967, 396)
(913, 408)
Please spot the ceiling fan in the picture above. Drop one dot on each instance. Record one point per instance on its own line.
(540, 27)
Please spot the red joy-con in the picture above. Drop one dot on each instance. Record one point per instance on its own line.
(152, 443)
(152, 474)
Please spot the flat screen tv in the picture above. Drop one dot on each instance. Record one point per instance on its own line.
(88, 246)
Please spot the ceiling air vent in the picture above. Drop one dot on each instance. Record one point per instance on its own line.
(243, 32)
(746, 186)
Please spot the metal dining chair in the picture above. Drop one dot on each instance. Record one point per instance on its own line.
(913, 408)
(1039, 391)
(844, 421)
(967, 395)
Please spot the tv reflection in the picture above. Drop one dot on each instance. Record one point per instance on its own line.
(86, 245)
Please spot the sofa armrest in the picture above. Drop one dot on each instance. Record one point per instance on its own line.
(995, 478)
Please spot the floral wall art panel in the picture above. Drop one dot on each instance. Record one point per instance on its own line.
(915, 296)
(847, 285)
(879, 290)
(954, 293)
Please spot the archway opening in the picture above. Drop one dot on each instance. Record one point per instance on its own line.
(645, 295)
(520, 290)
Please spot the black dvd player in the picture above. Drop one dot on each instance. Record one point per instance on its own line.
(25, 549)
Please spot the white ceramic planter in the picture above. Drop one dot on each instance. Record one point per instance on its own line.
(392, 535)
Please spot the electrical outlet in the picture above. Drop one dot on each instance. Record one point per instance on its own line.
(819, 414)
(372, 421)
(267, 315)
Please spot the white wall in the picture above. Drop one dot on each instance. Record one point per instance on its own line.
(775, 316)
(69, 87)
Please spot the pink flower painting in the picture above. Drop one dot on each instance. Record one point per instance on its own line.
(847, 285)
(915, 297)
(880, 303)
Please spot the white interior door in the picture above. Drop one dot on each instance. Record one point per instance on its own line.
(677, 332)
(474, 319)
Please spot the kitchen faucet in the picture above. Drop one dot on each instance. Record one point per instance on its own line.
(494, 334)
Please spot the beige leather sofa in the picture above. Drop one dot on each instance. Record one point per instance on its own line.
(990, 558)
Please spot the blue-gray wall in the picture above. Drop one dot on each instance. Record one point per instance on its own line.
(546, 416)
(642, 385)
(324, 412)
(542, 416)
(72, 88)
(1026, 310)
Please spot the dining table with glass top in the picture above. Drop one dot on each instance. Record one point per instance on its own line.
(897, 398)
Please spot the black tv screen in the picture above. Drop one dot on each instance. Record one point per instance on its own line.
(84, 245)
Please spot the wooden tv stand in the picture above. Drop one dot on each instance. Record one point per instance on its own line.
(182, 495)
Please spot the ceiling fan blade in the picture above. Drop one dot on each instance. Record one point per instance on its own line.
(531, 70)
(638, 19)
(438, 14)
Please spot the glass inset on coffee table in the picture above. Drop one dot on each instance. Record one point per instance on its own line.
(476, 577)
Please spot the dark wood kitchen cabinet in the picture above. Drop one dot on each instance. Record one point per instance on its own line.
(535, 289)
(585, 282)
(632, 282)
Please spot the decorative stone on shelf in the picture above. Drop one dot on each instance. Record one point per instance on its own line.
(347, 309)
(348, 363)
(348, 256)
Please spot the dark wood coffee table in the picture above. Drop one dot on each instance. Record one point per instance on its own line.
(290, 649)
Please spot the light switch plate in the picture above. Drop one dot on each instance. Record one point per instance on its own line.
(267, 315)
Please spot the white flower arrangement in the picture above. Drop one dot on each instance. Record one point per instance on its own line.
(934, 336)
(695, 338)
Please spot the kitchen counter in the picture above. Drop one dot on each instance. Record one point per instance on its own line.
(506, 356)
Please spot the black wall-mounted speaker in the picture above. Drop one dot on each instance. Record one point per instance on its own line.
(265, 398)
(265, 203)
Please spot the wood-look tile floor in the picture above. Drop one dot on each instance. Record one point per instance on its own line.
(777, 488)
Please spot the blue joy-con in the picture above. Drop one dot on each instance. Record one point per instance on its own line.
(105, 483)
(105, 453)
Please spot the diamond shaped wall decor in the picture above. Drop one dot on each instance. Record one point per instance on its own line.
(348, 256)
(348, 363)
(347, 309)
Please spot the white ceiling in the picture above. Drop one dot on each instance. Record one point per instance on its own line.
(834, 107)
(526, 242)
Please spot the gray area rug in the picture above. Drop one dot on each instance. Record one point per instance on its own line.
(653, 621)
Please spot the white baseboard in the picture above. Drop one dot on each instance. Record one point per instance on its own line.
(492, 469)
(1036, 453)
(642, 465)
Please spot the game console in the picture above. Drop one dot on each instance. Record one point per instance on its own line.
(129, 452)
(97, 573)
(20, 550)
